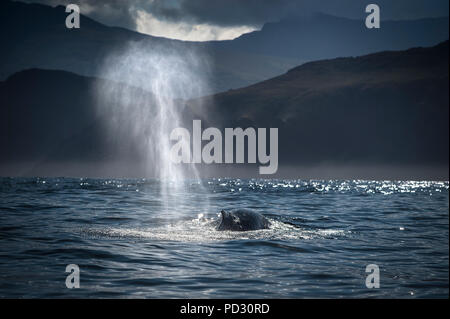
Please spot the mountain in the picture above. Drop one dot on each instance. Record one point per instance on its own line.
(322, 36)
(49, 123)
(384, 109)
(35, 36)
(42, 109)
(389, 108)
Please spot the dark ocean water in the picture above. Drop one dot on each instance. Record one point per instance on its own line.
(138, 238)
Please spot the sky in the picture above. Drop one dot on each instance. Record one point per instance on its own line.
(203, 20)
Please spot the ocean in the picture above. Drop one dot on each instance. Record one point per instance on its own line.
(141, 238)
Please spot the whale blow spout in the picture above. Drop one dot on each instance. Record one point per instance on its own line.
(242, 220)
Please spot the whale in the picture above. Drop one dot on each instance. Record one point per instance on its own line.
(242, 220)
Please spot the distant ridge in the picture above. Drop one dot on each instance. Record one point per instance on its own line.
(390, 107)
(34, 36)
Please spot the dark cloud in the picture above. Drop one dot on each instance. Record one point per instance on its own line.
(257, 12)
(110, 12)
(246, 12)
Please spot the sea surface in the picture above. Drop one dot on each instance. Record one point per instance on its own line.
(137, 238)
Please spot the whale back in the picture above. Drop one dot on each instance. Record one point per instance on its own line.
(242, 220)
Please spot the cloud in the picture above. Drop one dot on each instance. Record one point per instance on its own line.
(225, 19)
(150, 24)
